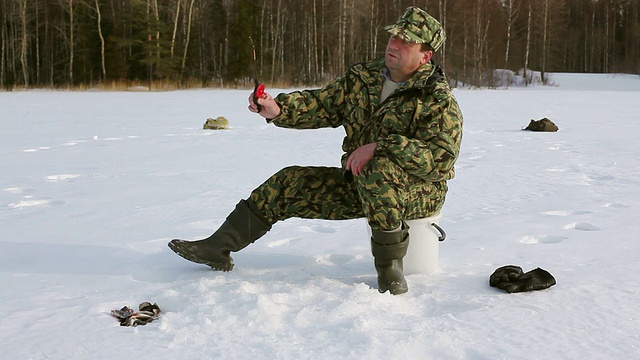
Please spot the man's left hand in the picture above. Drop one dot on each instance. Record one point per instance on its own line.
(360, 157)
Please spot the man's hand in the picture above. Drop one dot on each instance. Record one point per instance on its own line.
(360, 157)
(270, 108)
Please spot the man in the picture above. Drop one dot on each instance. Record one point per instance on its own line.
(403, 131)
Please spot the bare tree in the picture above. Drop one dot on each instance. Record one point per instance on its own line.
(175, 26)
(511, 8)
(545, 28)
(186, 44)
(276, 31)
(342, 38)
(528, 47)
(593, 29)
(480, 46)
(37, 41)
(322, 38)
(315, 46)
(61, 42)
(69, 8)
(24, 43)
(3, 50)
(633, 27)
(606, 53)
(102, 43)
(443, 21)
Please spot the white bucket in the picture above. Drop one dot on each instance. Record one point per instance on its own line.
(422, 254)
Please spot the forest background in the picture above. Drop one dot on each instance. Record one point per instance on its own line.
(167, 44)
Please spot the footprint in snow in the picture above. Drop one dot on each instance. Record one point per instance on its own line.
(323, 229)
(582, 226)
(542, 239)
(207, 224)
(333, 259)
(566, 212)
(37, 149)
(463, 165)
(61, 177)
(282, 242)
(318, 229)
(616, 205)
(15, 190)
(80, 141)
(154, 246)
(314, 229)
(30, 201)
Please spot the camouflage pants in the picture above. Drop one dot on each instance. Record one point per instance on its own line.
(383, 193)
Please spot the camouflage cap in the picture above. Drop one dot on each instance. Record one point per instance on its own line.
(416, 26)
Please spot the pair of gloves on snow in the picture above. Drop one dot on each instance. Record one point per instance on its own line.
(128, 317)
(512, 279)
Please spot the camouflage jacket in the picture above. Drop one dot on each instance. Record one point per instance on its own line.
(419, 126)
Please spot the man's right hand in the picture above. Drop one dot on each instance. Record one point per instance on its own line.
(270, 108)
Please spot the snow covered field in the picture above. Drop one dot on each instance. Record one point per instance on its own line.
(95, 184)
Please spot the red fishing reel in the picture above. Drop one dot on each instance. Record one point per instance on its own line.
(258, 92)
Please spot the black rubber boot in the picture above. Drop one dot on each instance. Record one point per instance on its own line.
(388, 249)
(241, 228)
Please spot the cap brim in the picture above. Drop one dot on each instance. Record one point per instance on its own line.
(401, 33)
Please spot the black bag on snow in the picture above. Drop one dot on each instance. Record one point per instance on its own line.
(543, 124)
(512, 279)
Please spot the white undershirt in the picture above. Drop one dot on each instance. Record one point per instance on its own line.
(388, 87)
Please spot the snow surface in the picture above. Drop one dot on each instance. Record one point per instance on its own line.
(94, 185)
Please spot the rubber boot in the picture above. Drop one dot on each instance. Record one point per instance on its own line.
(241, 228)
(388, 248)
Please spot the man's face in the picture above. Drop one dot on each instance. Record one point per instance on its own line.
(404, 58)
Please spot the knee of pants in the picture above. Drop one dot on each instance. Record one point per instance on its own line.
(286, 172)
(305, 191)
(278, 183)
(382, 193)
(269, 196)
(383, 170)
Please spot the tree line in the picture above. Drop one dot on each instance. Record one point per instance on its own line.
(69, 43)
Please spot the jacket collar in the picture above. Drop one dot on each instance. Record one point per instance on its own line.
(378, 72)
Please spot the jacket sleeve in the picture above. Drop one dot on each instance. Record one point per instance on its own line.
(431, 153)
(312, 109)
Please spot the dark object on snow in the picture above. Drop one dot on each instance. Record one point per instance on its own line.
(127, 317)
(543, 124)
(511, 279)
(219, 123)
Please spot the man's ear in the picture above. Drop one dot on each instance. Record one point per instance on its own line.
(427, 57)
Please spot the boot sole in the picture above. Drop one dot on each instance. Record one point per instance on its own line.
(394, 291)
(395, 287)
(181, 248)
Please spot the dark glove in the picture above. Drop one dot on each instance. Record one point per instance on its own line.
(127, 317)
(511, 279)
